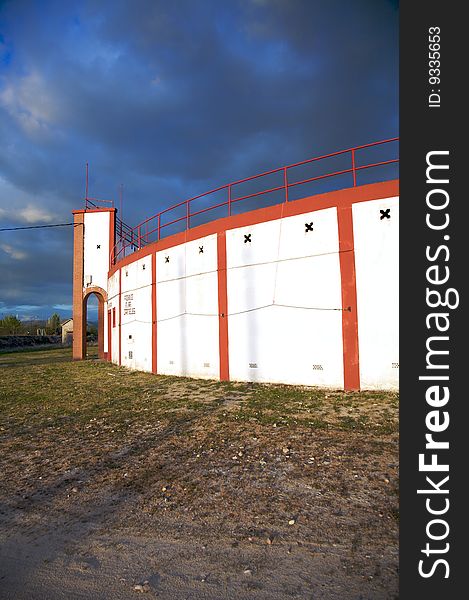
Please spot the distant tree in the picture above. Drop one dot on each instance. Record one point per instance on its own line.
(54, 323)
(11, 324)
(92, 329)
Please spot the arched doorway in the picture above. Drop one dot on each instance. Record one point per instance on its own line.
(101, 295)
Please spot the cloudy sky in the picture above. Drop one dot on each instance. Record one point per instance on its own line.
(171, 98)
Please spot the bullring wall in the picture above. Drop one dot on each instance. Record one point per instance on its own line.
(305, 292)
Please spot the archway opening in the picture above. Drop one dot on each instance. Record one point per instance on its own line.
(93, 323)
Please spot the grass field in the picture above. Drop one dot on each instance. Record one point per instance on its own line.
(204, 489)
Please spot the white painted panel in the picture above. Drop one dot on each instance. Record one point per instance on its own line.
(296, 241)
(113, 285)
(136, 330)
(204, 261)
(202, 294)
(249, 287)
(282, 345)
(170, 299)
(127, 344)
(202, 347)
(187, 310)
(143, 274)
(285, 318)
(170, 263)
(377, 264)
(188, 346)
(135, 276)
(96, 259)
(129, 277)
(143, 330)
(171, 339)
(263, 247)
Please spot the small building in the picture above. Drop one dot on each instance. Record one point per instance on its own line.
(67, 332)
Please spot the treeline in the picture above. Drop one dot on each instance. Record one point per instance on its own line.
(11, 325)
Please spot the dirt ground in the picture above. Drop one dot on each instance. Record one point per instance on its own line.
(115, 484)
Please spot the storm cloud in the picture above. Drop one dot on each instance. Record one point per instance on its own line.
(171, 99)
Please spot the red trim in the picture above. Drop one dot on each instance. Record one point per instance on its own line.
(92, 210)
(95, 289)
(363, 193)
(349, 299)
(102, 298)
(100, 328)
(109, 336)
(112, 234)
(120, 314)
(223, 308)
(79, 328)
(154, 339)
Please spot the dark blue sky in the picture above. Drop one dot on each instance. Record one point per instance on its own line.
(171, 99)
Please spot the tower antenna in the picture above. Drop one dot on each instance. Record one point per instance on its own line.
(86, 187)
(121, 194)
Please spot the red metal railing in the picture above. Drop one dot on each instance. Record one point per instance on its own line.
(140, 235)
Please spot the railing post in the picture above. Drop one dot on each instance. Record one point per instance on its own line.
(139, 237)
(285, 182)
(159, 226)
(188, 223)
(229, 200)
(353, 169)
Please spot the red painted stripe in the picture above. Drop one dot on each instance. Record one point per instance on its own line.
(112, 234)
(92, 210)
(120, 313)
(100, 326)
(349, 299)
(223, 308)
(154, 339)
(79, 328)
(109, 336)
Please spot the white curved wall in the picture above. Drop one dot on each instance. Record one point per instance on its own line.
(284, 289)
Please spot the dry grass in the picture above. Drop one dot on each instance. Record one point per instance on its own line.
(44, 385)
(225, 462)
